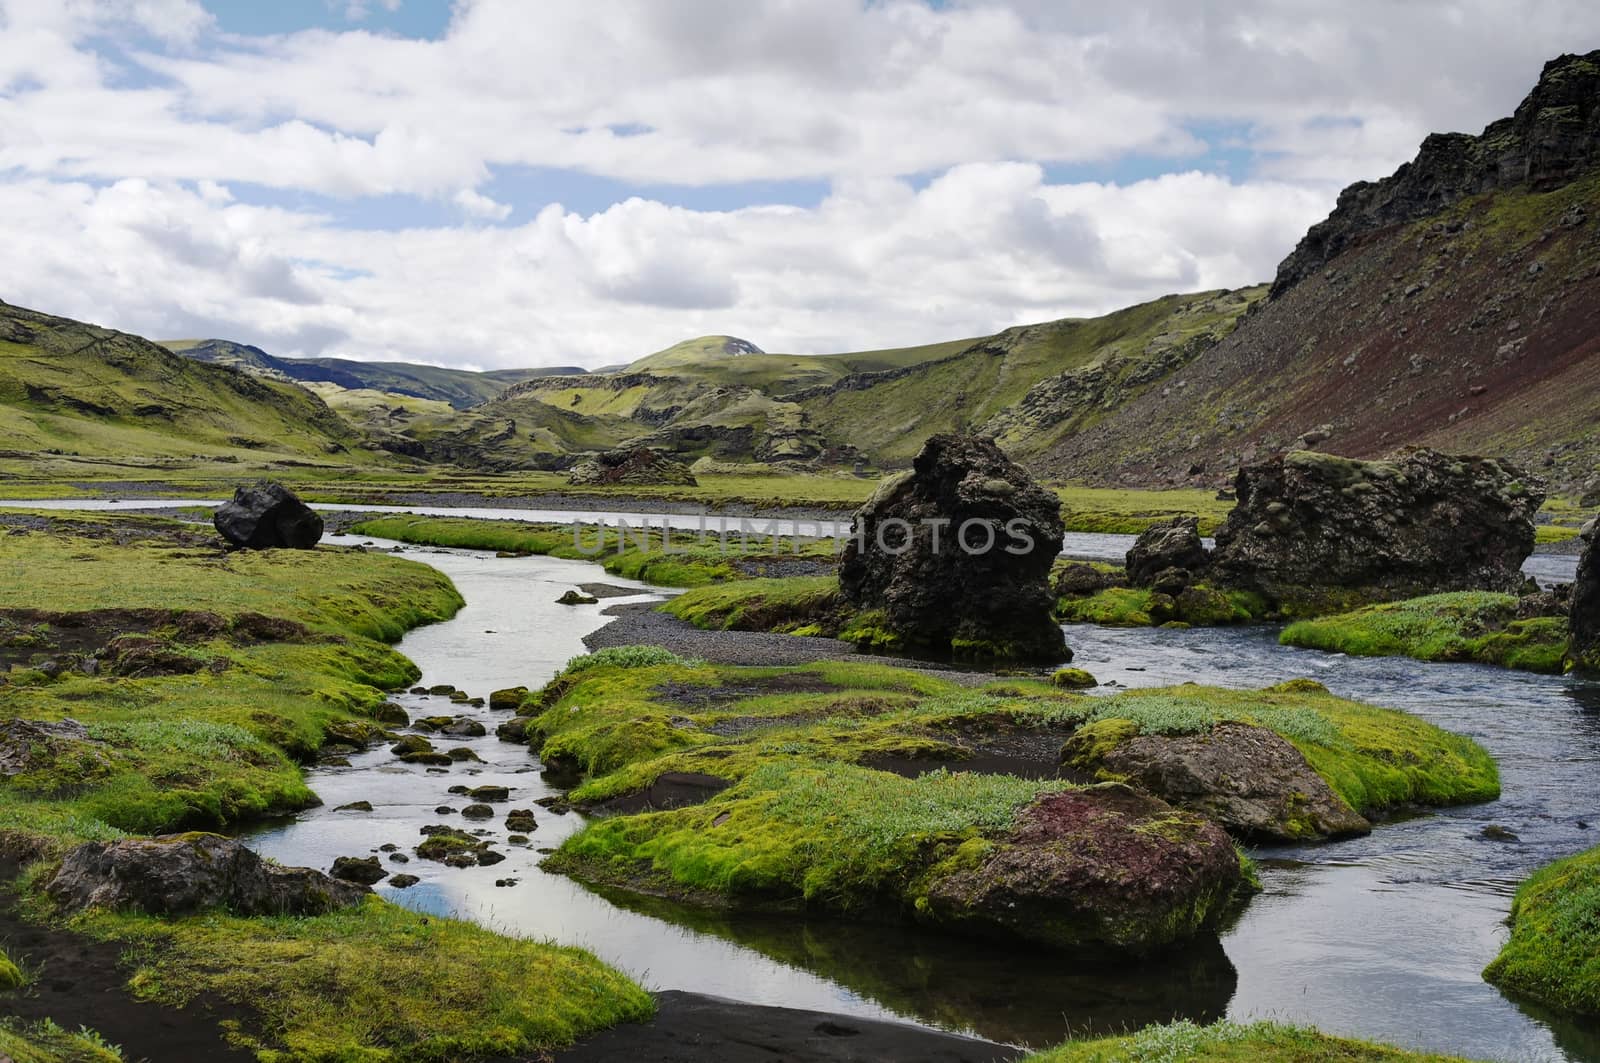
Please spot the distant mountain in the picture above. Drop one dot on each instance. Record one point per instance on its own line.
(458, 387)
(67, 388)
(723, 398)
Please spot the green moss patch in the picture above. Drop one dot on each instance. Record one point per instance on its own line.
(376, 983)
(1553, 955)
(1197, 606)
(1474, 626)
(1229, 1042)
(625, 727)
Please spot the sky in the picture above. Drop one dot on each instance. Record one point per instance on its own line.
(508, 183)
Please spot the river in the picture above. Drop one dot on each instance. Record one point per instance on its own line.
(1381, 937)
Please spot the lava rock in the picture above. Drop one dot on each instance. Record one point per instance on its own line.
(638, 466)
(404, 882)
(1170, 544)
(1247, 779)
(954, 558)
(1553, 138)
(363, 869)
(508, 700)
(478, 811)
(490, 793)
(576, 598)
(187, 872)
(1104, 865)
(1316, 533)
(1584, 651)
(268, 515)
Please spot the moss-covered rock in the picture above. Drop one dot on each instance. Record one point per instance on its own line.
(989, 855)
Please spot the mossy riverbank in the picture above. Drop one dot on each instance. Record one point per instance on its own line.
(780, 763)
(1553, 954)
(1231, 1042)
(667, 558)
(214, 677)
(1471, 626)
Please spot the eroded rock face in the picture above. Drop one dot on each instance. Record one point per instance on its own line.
(188, 872)
(267, 515)
(639, 466)
(1585, 616)
(1316, 533)
(1100, 866)
(954, 558)
(35, 745)
(1171, 544)
(1247, 779)
(1553, 138)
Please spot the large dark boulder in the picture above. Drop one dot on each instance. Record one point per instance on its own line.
(640, 466)
(266, 515)
(1103, 865)
(1315, 533)
(1170, 544)
(188, 872)
(1247, 779)
(1585, 650)
(954, 557)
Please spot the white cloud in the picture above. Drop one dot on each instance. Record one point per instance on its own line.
(878, 263)
(478, 205)
(933, 127)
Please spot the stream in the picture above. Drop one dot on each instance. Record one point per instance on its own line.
(1382, 937)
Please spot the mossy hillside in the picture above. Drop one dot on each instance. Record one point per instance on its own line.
(671, 559)
(1230, 1042)
(220, 745)
(1476, 626)
(1553, 954)
(374, 983)
(799, 605)
(625, 727)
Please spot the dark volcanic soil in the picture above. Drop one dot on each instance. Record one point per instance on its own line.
(689, 1028)
(75, 982)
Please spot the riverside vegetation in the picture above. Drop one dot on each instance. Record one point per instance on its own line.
(217, 677)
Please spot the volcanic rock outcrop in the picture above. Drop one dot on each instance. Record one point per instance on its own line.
(1247, 779)
(1164, 547)
(188, 872)
(1315, 533)
(640, 467)
(1553, 137)
(265, 515)
(954, 558)
(1585, 650)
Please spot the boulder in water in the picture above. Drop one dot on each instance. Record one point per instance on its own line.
(1585, 617)
(1316, 533)
(267, 515)
(954, 557)
(1165, 546)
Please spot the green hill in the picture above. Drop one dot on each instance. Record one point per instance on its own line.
(73, 389)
